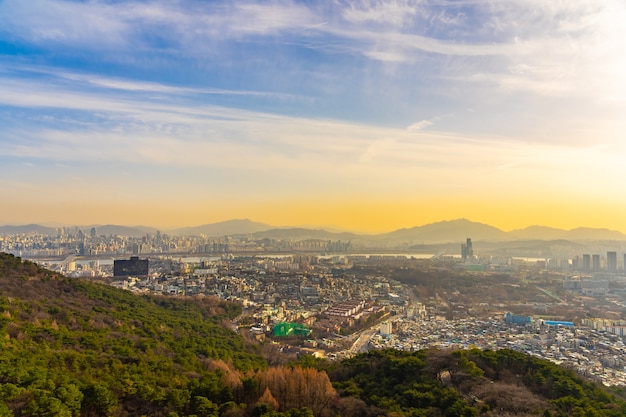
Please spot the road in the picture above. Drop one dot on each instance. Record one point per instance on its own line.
(362, 342)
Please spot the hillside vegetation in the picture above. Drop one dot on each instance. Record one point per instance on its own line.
(73, 347)
(469, 383)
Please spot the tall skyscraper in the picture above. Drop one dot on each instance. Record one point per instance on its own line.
(595, 262)
(93, 232)
(586, 262)
(466, 249)
(611, 261)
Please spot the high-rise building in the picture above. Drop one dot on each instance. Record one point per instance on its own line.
(386, 328)
(466, 249)
(586, 262)
(595, 262)
(93, 232)
(611, 261)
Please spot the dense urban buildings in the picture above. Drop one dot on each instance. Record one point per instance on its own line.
(350, 302)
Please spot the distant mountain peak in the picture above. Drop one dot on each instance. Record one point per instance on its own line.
(456, 230)
(226, 227)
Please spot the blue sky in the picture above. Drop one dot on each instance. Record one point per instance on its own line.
(198, 111)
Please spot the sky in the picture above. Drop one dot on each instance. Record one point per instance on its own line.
(362, 115)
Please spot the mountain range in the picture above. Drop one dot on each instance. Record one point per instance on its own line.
(101, 230)
(438, 232)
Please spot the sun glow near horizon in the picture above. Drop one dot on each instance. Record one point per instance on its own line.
(355, 215)
(371, 117)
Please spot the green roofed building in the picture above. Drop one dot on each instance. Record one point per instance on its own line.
(291, 329)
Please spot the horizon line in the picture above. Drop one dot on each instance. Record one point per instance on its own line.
(326, 228)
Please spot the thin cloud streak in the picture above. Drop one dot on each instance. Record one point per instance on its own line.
(86, 80)
(211, 137)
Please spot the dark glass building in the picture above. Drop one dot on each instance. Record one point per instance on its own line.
(133, 266)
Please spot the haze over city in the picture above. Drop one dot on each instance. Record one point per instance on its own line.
(361, 115)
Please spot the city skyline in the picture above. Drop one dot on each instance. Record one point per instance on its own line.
(368, 116)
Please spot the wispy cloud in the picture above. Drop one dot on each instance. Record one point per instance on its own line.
(540, 43)
(263, 146)
(419, 125)
(398, 13)
(143, 24)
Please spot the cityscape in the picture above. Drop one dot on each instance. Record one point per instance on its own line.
(349, 297)
(290, 208)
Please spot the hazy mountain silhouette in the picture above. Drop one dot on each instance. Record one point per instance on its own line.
(580, 233)
(116, 230)
(228, 227)
(538, 232)
(448, 231)
(302, 233)
(459, 230)
(27, 229)
(439, 232)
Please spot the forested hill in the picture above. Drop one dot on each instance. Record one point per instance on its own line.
(469, 383)
(70, 347)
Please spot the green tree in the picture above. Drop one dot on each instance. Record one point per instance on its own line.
(178, 399)
(301, 412)
(260, 410)
(203, 407)
(44, 404)
(71, 396)
(5, 411)
(98, 400)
